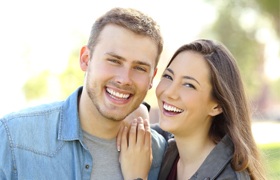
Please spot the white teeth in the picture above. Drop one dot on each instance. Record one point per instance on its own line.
(172, 108)
(117, 94)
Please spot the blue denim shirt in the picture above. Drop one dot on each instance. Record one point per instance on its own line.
(46, 142)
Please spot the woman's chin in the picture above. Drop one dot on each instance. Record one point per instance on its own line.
(165, 125)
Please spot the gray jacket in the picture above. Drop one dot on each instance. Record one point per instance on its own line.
(215, 166)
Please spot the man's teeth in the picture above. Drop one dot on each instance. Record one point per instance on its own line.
(117, 94)
(172, 108)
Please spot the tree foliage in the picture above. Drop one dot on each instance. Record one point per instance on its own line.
(272, 9)
(241, 42)
(72, 77)
(56, 85)
(37, 86)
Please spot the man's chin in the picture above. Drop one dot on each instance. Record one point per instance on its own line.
(113, 114)
(116, 118)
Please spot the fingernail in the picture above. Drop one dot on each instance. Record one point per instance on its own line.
(118, 148)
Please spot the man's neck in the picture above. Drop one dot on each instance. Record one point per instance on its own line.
(93, 123)
(100, 128)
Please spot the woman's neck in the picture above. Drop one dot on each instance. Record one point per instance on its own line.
(192, 151)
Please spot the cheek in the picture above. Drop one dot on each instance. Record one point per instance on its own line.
(159, 89)
(94, 74)
(193, 100)
(188, 95)
(142, 81)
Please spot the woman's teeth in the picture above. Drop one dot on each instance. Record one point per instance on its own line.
(171, 108)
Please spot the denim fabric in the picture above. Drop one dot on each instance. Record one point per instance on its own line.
(46, 142)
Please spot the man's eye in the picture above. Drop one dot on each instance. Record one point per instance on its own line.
(114, 61)
(141, 68)
(166, 76)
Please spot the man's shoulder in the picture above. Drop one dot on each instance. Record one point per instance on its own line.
(163, 133)
(33, 129)
(36, 117)
(159, 142)
(158, 145)
(158, 138)
(33, 111)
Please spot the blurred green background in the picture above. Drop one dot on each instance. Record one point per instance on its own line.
(271, 153)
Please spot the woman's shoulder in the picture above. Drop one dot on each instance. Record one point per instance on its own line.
(229, 173)
(218, 163)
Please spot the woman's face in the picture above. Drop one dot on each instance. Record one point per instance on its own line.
(184, 95)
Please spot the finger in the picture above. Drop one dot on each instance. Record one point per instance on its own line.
(123, 143)
(132, 133)
(146, 124)
(119, 138)
(148, 142)
(140, 132)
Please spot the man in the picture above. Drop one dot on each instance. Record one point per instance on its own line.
(76, 138)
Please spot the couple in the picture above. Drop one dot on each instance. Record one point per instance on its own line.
(201, 101)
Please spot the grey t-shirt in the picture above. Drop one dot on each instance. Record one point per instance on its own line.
(105, 157)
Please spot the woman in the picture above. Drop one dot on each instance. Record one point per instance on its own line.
(203, 104)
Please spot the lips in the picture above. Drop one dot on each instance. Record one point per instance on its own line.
(117, 95)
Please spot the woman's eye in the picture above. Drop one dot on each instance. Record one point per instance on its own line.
(189, 85)
(167, 76)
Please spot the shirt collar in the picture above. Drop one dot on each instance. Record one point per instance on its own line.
(69, 123)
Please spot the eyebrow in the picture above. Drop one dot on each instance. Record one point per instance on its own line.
(122, 58)
(115, 55)
(185, 77)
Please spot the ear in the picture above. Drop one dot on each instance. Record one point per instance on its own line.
(84, 58)
(155, 72)
(216, 110)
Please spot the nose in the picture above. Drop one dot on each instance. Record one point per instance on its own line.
(172, 91)
(124, 77)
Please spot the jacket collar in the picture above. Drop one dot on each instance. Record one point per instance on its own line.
(69, 123)
(217, 160)
(212, 166)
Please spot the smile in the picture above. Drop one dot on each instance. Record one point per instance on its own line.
(117, 95)
(171, 108)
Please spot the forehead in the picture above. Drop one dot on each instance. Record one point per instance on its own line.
(190, 63)
(127, 44)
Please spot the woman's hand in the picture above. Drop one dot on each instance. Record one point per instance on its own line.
(135, 149)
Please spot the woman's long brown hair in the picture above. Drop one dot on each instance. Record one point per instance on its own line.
(228, 91)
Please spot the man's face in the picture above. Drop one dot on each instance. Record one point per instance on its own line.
(119, 72)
